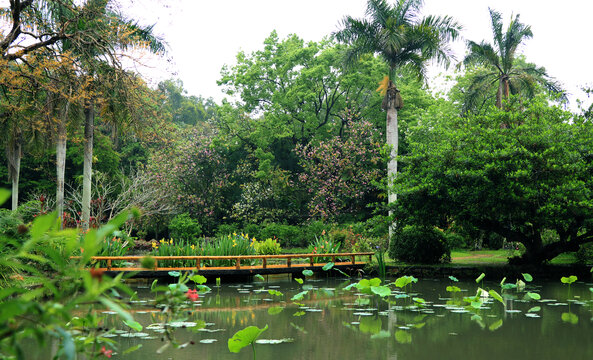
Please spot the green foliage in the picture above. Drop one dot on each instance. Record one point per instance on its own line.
(585, 254)
(287, 235)
(419, 244)
(12, 225)
(46, 312)
(183, 227)
(324, 245)
(517, 173)
(267, 247)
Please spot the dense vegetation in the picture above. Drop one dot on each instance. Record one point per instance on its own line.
(299, 155)
(299, 146)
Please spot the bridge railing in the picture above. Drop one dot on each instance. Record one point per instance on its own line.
(255, 261)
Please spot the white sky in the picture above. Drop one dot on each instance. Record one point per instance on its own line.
(203, 35)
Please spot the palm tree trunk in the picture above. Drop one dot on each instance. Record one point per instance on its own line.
(499, 94)
(61, 163)
(391, 104)
(14, 154)
(89, 126)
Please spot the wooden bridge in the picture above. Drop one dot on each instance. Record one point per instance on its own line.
(243, 265)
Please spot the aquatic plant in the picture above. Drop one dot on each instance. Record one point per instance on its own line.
(245, 337)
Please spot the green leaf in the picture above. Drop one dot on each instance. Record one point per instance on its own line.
(202, 288)
(298, 313)
(180, 287)
(480, 278)
(198, 279)
(299, 296)
(244, 338)
(570, 318)
(307, 272)
(382, 291)
(496, 296)
(419, 300)
(404, 281)
(300, 281)
(4, 195)
(275, 310)
(328, 266)
(495, 326)
(534, 296)
(132, 349)
(118, 309)
(453, 289)
(68, 347)
(174, 273)
(275, 292)
(534, 309)
(502, 281)
(527, 277)
(568, 280)
(476, 304)
(133, 324)
(403, 337)
(508, 286)
(259, 277)
(453, 278)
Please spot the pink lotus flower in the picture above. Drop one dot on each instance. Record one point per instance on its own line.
(106, 352)
(192, 295)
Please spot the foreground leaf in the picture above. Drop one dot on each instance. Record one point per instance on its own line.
(244, 338)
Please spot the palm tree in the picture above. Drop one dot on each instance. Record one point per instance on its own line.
(404, 40)
(501, 65)
(105, 33)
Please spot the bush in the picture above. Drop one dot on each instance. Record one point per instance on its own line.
(267, 247)
(288, 235)
(312, 230)
(11, 225)
(585, 254)
(184, 228)
(226, 229)
(419, 244)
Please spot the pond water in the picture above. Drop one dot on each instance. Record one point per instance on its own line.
(333, 323)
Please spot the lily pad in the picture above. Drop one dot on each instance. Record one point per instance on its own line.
(208, 341)
(274, 341)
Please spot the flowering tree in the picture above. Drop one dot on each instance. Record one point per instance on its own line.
(340, 172)
(195, 175)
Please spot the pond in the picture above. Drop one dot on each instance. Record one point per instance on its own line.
(422, 321)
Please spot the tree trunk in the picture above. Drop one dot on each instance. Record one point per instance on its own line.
(14, 154)
(61, 163)
(89, 126)
(499, 94)
(391, 104)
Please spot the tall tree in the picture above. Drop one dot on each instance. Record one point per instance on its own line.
(97, 54)
(502, 68)
(404, 40)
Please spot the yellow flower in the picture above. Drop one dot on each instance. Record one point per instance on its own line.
(193, 247)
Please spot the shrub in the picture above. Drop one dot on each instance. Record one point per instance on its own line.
(184, 228)
(585, 254)
(267, 247)
(226, 229)
(419, 244)
(288, 235)
(324, 245)
(312, 230)
(12, 225)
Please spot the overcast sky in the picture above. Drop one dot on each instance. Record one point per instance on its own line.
(203, 35)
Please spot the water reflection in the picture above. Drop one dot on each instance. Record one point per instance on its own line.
(332, 323)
